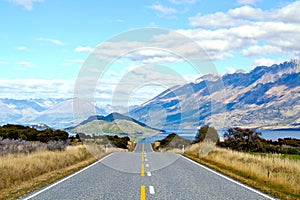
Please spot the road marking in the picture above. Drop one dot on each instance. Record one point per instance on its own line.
(142, 170)
(146, 159)
(148, 173)
(151, 190)
(143, 148)
(66, 178)
(147, 165)
(229, 179)
(143, 193)
(145, 155)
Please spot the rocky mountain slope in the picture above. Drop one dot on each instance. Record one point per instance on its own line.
(266, 97)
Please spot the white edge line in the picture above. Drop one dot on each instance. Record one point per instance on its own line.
(151, 190)
(149, 174)
(135, 148)
(230, 179)
(66, 178)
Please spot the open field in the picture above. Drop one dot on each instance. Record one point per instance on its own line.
(273, 174)
(22, 173)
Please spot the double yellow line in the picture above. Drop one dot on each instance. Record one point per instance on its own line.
(143, 188)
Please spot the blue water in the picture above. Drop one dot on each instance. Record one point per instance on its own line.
(190, 134)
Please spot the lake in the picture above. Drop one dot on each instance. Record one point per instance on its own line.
(191, 133)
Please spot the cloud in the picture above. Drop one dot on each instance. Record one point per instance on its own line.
(36, 88)
(230, 70)
(257, 50)
(183, 1)
(70, 62)
(247, 30)
(234, 17)
(53, 41)
(22, 48)
(27, 4)
(248, 2)
(84, 49)
(119, 20)
(3, 62)
(163, 10)
(25, 64)
(264, 62)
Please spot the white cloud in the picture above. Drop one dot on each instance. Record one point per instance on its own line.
(22, 48)
(84, 49)
(36, 88)
(183, 1)
(257, 50)
(69, 62)
(264, 62)
(163, 10)
(27, 4)
(53, 41)
(230, 70)
(250, 31)
(249, 2)
(119, 20)
(25, 64)
(3, 62)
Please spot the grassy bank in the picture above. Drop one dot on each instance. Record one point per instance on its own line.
(22, 173)
(273, 174)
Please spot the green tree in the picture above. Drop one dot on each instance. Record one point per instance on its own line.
(206, 133)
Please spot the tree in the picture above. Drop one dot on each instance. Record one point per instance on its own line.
(206, 133)
(244, 140)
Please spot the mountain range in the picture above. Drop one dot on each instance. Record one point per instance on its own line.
(268, 97)
(56, 113)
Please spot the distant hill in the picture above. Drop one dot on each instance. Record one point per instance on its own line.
(112, 123)
(266, 97)
(56, 113)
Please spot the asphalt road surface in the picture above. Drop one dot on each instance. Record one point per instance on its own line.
(144, 174)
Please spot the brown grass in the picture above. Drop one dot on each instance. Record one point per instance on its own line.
(18, 168)
(274, 174)
(24, 173)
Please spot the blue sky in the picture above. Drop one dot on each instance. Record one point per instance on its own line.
(44, 43)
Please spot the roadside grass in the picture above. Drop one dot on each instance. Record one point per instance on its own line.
(276, 175)
(22, 173)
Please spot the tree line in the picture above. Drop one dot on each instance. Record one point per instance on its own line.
(27, 133)
(249, 140)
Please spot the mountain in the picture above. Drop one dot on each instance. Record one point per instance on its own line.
(57, 113)
(112, 123)
(266, 97)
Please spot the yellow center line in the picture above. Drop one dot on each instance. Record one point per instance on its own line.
(143, 192)
(142, 170)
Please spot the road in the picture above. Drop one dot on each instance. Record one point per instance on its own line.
(144, 174)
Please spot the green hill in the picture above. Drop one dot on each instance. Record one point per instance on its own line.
(114, 123)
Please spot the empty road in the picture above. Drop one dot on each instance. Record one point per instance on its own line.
(144, 174)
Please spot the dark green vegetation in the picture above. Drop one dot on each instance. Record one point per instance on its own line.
(120, 142)
(249, 140)
(15, 132)
(172, 141)
(206, 133)
(15, 139)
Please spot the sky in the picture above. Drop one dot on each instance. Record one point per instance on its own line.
(45, 45)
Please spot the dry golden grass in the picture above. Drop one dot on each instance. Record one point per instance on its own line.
(274, 171)
(15, 169)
